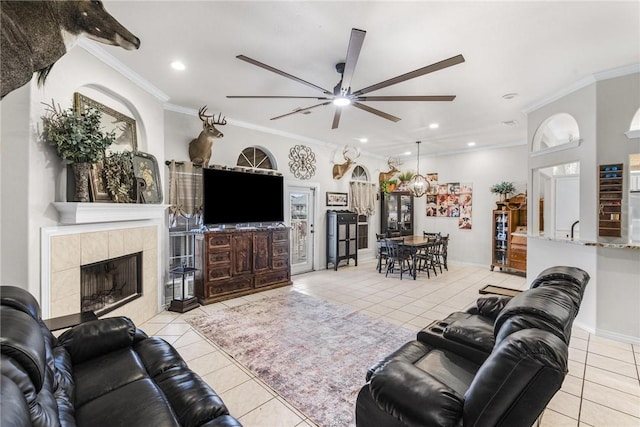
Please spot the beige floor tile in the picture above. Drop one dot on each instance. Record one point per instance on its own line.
(171, 339)
(576, 355)
(578, 343)
(609, 342)
(572, 385)
(164, 317)
(624, 354)
(272, 413)
(226, 378)
(601, 416)
(195, 350)
(614, 399)
(612, 365)
(208, 363)
(187, 338)
(579, 333)
(401, 316)
(554, 419)
(245, 398)
(174, 329)
(565, 404)
(612, 380)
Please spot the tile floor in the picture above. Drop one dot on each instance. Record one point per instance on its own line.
(602, 388)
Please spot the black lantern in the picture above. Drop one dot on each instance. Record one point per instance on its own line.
(185, 302)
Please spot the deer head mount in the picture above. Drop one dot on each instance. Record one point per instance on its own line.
(341, 168)
(33, 40)
(393, 165)
(200, 148)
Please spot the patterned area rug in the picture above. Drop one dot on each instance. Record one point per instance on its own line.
(313, 353)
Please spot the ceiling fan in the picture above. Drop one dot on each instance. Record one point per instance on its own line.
(341, 95)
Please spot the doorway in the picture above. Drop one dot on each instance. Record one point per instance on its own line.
(301, 220)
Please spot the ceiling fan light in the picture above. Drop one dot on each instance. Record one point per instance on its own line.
(341, 101)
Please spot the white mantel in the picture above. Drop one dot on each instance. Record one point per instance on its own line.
(87, 213)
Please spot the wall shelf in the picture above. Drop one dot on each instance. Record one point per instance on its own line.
(87, 213)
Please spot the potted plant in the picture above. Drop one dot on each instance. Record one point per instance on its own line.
(79, 141)
(404, 179)
(388, 186)
(503, 189)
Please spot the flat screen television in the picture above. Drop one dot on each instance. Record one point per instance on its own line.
(231, 197)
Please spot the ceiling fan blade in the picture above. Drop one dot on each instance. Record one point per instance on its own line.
(299, 111)
(376, 112)
(407, 98)
(353, 52)
(336, 118)
(276, 97)
(458, 59)
(282, 73)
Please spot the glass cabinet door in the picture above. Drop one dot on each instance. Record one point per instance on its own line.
(406, 213)
(392, 213)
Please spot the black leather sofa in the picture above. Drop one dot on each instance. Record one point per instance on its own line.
(469, 377)
(103, 373)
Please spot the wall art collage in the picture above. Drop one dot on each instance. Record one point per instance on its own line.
(454, 200)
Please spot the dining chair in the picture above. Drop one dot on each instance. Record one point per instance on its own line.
(429, 235)
(383, 253)
(398, 256)
(444, 240)
(426, 257)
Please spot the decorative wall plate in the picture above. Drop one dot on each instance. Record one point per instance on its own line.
(302, 162)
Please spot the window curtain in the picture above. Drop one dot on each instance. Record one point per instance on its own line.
(363, 197)
(185, 191)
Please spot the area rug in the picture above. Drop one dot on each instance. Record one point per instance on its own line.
(313, 353)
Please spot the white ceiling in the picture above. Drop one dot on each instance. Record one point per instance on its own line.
(535, 49)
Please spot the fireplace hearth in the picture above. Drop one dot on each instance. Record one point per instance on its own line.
(109, 284)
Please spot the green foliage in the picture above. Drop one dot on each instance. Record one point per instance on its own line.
(78, 137)
(385, 186)
(406, 176)
(118, 175)
(503, 188)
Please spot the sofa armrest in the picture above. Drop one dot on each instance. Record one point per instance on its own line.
(98, 337)
(414, 397)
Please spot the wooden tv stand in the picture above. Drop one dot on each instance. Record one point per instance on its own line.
(238, 262)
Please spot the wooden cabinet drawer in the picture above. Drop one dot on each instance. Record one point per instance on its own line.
(347, 217)
(281, 236)
(218, 240)
(216, 273)
(518, 265)
(280, 262)
(228, 286)
(219, 257)
(271, 278)
(280, 249)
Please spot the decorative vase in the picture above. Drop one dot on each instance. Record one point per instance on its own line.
(81, 176)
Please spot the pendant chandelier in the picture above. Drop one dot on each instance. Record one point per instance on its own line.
(418, 186)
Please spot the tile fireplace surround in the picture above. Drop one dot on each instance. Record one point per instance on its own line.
(91, 236)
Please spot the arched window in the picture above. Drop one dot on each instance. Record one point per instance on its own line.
(556, 132)
(359, 174)
(256, 158)
(634, 128)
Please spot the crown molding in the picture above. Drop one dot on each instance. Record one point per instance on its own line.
(114, 63)
(582, 83)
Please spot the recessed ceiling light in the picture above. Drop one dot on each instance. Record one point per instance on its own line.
(407, 153)
(471, 144)
(363, 140)
(510, 122)
(509, 95)
(434, 126)
(177, 65)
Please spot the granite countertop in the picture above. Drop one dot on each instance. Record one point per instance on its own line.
(588, 242)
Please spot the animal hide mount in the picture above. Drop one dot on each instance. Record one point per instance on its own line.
(393, 165)
(200, 148)
(340, 169)
(32, 36)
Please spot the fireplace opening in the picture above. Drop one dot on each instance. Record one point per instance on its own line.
(109, 284)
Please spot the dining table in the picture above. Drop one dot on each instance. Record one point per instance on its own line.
(414, 244)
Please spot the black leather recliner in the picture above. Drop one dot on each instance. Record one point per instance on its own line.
(423, 384)
(471, 333)
(100, 373)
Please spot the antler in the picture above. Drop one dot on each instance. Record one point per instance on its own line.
(346, 150)
(201, 113)
(220, 122)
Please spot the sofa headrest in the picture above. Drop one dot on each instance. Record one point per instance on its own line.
(20, 299)
(21, 339)
(571, 289)
(573, 274)
(550, 307)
